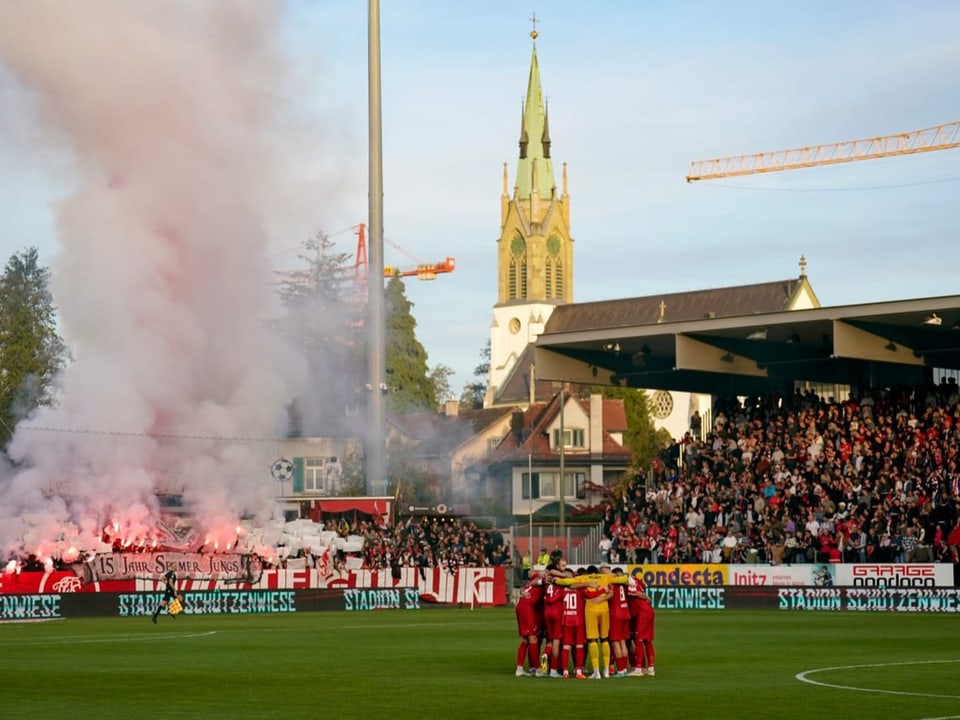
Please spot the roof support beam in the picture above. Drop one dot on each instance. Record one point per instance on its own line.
(852, 342)
(696, 355)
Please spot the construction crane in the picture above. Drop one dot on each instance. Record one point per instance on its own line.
(939, 137)
(422, 271)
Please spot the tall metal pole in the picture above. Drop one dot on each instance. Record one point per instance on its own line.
(376, 332)
(563, 480)
(530, 493)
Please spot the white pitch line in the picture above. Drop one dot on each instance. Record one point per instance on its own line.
(803, 677)
(75, 640)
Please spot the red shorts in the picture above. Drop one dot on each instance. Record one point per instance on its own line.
(643, 624)
(619, 628)
(527, 623)
(575, 634)
(553, 627)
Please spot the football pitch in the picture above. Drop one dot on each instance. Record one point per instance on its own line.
(459, 663)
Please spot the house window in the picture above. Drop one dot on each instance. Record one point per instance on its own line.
(546, 484)
(313, 474)
(530, 491)
(576, 485)
(572, 438)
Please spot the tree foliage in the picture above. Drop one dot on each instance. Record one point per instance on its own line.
(409, 385)
(473, 394)
(32, 352)
(440, 377)
(641, 438)
(324, 321)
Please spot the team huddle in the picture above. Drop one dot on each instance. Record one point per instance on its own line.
(562, 616)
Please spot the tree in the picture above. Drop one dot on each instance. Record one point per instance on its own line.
(409, 387)
(473, 394)
(324, 322)
(641, 438)
(32, 353)
(440, 377)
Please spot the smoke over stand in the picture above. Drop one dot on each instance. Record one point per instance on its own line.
(166, 108)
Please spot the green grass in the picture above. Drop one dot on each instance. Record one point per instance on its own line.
(437, 663)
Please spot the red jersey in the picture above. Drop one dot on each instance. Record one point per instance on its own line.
(572, 614)
(635, 587)
(532, 592)
(553, 600)
(619, 604)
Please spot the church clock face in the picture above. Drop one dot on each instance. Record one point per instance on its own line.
(553, 245)
(514, 325)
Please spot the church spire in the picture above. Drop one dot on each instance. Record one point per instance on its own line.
(534, 138)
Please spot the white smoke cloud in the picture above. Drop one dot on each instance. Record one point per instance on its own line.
(168, 109)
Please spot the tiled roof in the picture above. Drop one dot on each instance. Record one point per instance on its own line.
(528, 433)
(674, 307)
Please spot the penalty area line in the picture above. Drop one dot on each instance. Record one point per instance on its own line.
(804, 677)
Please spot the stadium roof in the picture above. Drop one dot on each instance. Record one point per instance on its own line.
(624, 342)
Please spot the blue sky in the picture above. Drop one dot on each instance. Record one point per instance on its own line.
(636, 92)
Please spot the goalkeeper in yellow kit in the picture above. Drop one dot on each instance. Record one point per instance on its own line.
(597, 617)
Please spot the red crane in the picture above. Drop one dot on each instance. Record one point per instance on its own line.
(421, 271)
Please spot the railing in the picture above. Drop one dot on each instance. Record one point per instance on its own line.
(579, 542)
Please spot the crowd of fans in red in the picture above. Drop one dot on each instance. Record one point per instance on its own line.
(431, 541)
(873, 478)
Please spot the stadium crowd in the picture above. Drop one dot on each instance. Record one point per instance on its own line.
(431, 541)
(873, 478)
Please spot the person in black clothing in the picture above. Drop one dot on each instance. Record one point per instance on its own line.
(170, 593)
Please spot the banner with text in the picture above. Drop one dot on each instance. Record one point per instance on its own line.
(894, 575)
(691, 575)
(466, 586)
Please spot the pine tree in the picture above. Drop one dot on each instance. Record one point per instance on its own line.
(32, 353)
(324, 320)
(410, 387)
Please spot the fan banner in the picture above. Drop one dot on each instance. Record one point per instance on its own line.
(132, 566)
(464, 586)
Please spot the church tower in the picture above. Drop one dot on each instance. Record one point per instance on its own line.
(535, 249)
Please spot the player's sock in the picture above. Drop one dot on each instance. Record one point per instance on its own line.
(621, 663)
(533, 655)
(650, 653)
(521, 653)
(564, 659)
(579, 655)
(605, 654)
(594, 655)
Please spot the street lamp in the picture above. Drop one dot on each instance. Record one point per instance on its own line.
(530, 493)
(376, 412)
(563, 443)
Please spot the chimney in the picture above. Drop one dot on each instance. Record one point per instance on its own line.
(516, 424)
(596, 424)
(451, 408)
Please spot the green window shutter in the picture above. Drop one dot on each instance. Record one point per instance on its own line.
(298, 474)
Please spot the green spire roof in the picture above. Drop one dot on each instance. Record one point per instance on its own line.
(534, 139)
